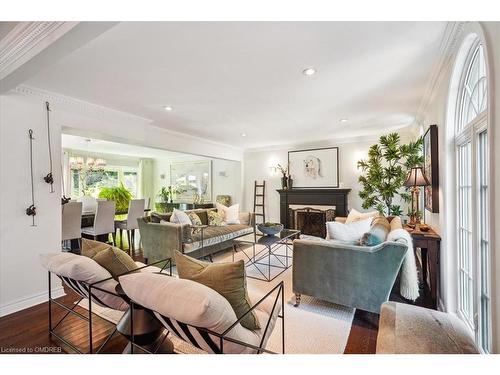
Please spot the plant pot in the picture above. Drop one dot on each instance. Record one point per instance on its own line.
(284, 183)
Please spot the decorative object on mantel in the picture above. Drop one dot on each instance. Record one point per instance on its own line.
(385, 172)
(315, 168)
(415, 180)
(49, 178)
(31, 210)
(431, 169)
(284, 178)
(270, 229)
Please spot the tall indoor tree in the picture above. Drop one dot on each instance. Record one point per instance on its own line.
(385, 172)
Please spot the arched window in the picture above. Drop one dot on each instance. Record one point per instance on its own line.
(472, 198)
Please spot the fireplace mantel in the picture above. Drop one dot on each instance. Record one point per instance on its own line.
(330, 197)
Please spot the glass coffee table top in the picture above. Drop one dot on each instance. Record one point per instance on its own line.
(266, 257)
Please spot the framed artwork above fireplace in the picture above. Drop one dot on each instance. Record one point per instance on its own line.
(314, 168)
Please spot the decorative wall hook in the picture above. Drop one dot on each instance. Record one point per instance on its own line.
(49, 178)
(31, 210)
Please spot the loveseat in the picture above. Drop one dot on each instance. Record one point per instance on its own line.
(160, 238)
(351, 275)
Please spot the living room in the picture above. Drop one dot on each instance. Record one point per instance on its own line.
(313, 187)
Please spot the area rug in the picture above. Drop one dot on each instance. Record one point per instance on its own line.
(315, 327)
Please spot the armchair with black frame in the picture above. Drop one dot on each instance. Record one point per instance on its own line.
(74, 273)
(211, 325)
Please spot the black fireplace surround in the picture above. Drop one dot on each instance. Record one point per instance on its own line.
(329, 197)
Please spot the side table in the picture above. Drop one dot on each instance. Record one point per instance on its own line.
(429, 243)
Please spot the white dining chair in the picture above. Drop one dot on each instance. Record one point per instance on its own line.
(104, 221)
(135, 211)
(72, 222)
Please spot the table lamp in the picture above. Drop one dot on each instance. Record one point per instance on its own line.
(415, 180)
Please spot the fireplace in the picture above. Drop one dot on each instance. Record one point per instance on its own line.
(311, 220)
(309, 209)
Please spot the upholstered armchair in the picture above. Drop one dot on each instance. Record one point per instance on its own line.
(357, 276)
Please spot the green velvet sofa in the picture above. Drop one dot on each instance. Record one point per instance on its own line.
(160, 240)
(356, 276)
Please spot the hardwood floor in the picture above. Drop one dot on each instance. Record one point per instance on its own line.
(26, 331)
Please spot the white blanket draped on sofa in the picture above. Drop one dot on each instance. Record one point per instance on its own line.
(409, 277)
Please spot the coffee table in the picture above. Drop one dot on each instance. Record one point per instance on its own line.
(270, 261)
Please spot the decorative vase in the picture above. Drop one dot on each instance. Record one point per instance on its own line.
(284, 183)
(290, 182)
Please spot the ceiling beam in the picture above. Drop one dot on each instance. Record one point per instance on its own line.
(31, 46)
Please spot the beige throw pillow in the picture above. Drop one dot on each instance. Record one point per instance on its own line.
(230, 214)
(228, 279)
(396, 223)
(116, 261)
(355, 215)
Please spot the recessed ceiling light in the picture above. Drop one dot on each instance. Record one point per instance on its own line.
(309, 71)
(343, 120)
(168, 108)
(243, 134)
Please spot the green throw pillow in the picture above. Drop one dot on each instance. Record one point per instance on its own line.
(378, 232)
(215, 219)
(116, 261)
(228, 279)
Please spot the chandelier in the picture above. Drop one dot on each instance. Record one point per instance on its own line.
(79, 163)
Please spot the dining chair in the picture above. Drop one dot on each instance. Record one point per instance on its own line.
(104, 222)
(135, 211)
(71, 222)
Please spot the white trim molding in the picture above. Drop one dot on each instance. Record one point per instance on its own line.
(26, 302)
(447, 50)
(26, 40)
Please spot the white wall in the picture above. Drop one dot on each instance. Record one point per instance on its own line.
(257, 163)
(436, 113)
(23, 282)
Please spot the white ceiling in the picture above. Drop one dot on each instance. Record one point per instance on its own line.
(228, 78)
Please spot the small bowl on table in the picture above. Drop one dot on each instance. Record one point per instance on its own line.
(270, 229)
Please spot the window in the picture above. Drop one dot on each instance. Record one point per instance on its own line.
(89, 183)
(472, 199)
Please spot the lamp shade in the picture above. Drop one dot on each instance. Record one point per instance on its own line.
(417, 178)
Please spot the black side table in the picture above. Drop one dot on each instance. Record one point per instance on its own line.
(148, 331)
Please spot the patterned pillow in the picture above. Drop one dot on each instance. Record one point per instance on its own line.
(378, 232)
(215, 219)
(196, 221)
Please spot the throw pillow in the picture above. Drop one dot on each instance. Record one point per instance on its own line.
(116, 261)
(196, 221)
(378, 232)
(215, 219)
(228, 279)
(355, 215)
(308, 237)
(180, 217)
(396, 223)
(347, 232)
(230, 214)
(90, 248)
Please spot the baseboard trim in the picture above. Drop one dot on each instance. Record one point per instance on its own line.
(24, 303)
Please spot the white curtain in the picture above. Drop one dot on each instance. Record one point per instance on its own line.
(146, 180)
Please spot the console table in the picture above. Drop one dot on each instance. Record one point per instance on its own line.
(429, 243)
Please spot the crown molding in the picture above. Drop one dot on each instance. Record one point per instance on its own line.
(447, 50)
(79, 106)
(26, 40)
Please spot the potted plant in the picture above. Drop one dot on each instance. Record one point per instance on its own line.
(119, 194)
(385, 172)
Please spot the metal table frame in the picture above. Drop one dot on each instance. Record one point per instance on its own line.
(271, 245)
